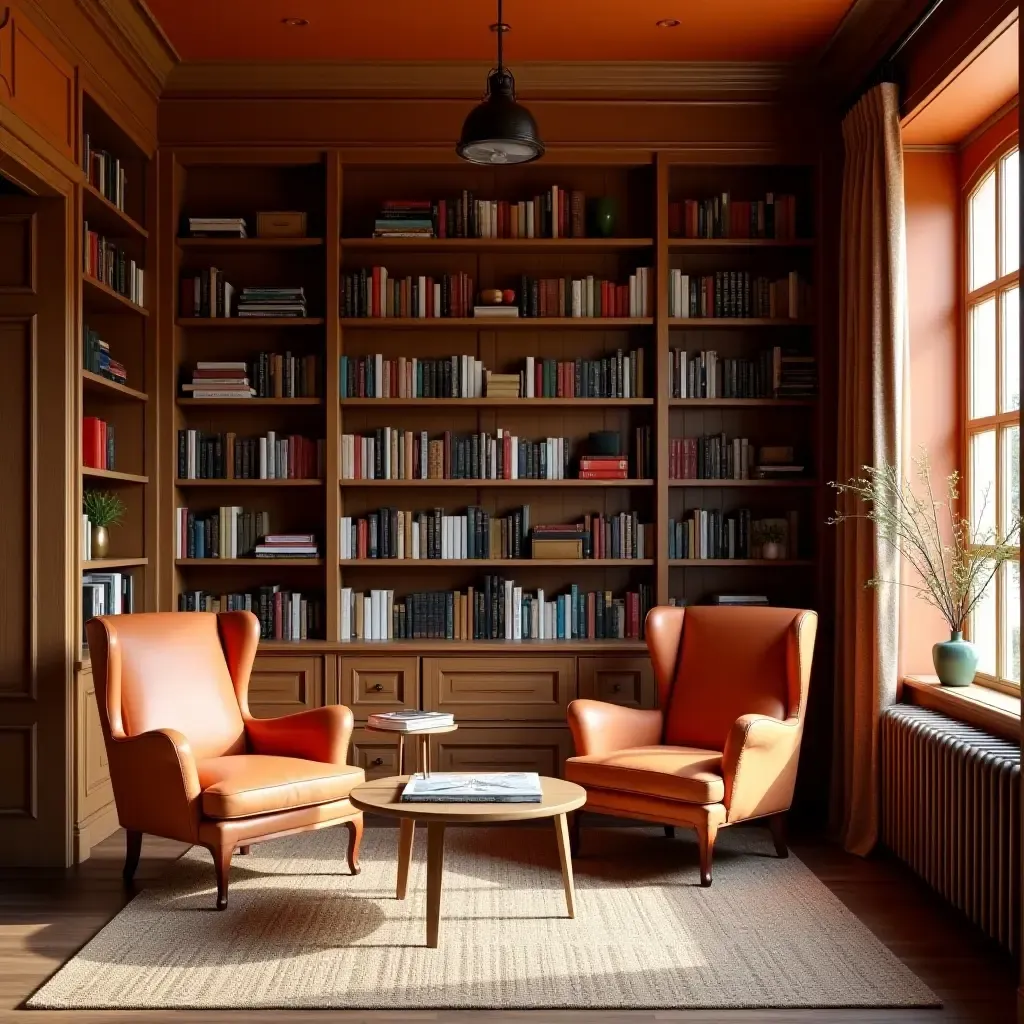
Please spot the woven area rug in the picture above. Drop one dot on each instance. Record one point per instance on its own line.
(301, 932)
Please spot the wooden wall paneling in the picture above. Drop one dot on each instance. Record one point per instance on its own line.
(95, 813)
(283, 685)
(332, 352)
(374, 684)
(500, 748)
(625, 681)
(662, 383)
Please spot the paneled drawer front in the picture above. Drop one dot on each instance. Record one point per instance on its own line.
(284, 684)
(94, 788)
(625, 681)
(371, 685)
(499, 689)
(374, 752)
(483, 749)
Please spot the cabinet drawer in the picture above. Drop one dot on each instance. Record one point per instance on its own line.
(497, 689)
(94, 788)
(374, 752)
(625, 681)
(371, 685)
(284, 684)
(486, 749)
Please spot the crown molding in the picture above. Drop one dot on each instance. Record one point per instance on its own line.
(131, 28)
(466, 79)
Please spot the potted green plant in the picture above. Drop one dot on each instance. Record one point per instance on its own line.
(104, 509)
(954, 561)
(771, 539)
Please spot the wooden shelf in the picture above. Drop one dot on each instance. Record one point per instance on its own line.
(113, 563)
(800, 482)
(516, 563)
(457, 646)
(496, 483)
(114, 476)
(249, 244)
(494, 403)
(743, 403)
(106, 217)
(186, 402)
(100, 298)
(700, 323)
(710, 244)
(224, 563)
(497, 244)
(249, 483)
(740, 563)
(249, 321)
(564, 323)
(99, 385)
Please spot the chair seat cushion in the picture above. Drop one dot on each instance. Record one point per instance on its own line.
(240, 785)
(687, 774)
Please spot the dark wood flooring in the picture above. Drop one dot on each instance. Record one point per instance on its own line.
(46, 916)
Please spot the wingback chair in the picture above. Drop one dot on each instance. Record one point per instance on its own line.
(187, 759)
(723, 744)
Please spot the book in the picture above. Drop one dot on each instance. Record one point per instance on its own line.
(477, 788)
(411, 721)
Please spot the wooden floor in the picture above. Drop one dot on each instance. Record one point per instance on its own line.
(46, 916)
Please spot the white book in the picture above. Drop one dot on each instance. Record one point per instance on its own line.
(296, 616)
(530, 377)
(346, 613)
(264, 459)
(517, 613)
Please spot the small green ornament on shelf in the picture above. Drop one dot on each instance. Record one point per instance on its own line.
(104, 509)
(603, 212)
(955, 561)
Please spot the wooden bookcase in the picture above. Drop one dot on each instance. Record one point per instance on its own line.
(510, 697)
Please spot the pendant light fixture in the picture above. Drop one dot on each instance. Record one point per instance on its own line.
(500, 130)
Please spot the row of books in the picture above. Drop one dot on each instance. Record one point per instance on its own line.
(587, 297)
(372, 292)
(105, 261)
(711, 533)
(721, 216)
(98, 443)
(555, 213)
(737, 294)
(773, 373)
(209, 294)
(615, 376)
(283, 614)
(494, 611)
(711, 457)
(375, 376)
(595, 537)
(106, 593)
(215, 456)
(104, 172)
(230, 532)
(96, 357)
(268, 375)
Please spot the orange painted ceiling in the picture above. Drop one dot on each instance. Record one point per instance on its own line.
(459, 29)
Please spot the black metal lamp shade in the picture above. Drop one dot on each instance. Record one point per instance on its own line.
(500, 130)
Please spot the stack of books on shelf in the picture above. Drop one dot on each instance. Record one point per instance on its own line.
(794, 374)
(97, 358)
(274, 375)
(283, 614)
(405, 218)
(778, 462)
(740, 600)
(502, 385)
(219, 380)
(212, 456)
(207, 294)
(217, 227)
(704, 375)
(98, 448)
(372, 292)
(108, 263)
(374, 376)
(272, 302)
(288, 545)
(587, 297)
(710, 533)
(104, 172)
(737, 294)
(711, 457)
(496, 312)
(497, 610)
(617, 376)
(595, 537)
(390, 453)
(230, 532)
(603, 467)
(724, 217)
(411, 721)
(106, 593)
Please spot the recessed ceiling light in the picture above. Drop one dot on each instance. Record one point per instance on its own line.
(295, 22)
(668, 23)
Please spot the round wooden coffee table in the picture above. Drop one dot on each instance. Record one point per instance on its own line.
(383, 796)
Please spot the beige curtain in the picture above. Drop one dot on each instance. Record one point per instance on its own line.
(872, 343)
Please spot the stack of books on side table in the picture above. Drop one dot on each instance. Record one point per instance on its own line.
(411, 721)
(477, 788)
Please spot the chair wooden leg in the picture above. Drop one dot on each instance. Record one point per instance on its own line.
(777, 823)
(133, 850)
(222, 865)
(244, 851)
(706, 840)
(670, 831)
(574, 834)
(355, 837)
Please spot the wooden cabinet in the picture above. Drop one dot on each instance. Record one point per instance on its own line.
(625, 681)
(371, 685)
(499, 689)
(541, 749)
(95, 814)
(376, 753)
(284, 684)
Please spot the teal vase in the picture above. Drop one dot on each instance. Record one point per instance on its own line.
(602, 215)
(956, 660)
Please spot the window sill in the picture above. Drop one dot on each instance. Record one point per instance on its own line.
(988, 709)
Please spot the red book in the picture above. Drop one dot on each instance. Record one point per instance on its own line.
(675, 220)
(602, 474)
(93, 452)
(375, 289)
(563, 215)
(442, 219)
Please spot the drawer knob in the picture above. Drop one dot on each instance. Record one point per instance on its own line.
(376, 762)
(616, 687)
(378, 687)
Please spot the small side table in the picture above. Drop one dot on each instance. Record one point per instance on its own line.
(423, 735)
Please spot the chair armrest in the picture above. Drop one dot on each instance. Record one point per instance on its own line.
(320, 734)
(156, 785)
(759, 764)
(601, 728)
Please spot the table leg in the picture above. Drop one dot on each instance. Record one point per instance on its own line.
(406, 835)
(435, 868)
(401, 754)
(425, 755)
(564, 855)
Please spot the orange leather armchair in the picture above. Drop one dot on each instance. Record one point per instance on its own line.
(189, 762)
(723, 746)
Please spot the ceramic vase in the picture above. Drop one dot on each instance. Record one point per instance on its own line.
(771, 551)
(100, 541)
(603, 214)
(955, 660)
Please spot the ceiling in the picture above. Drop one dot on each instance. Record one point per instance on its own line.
(542, 30)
